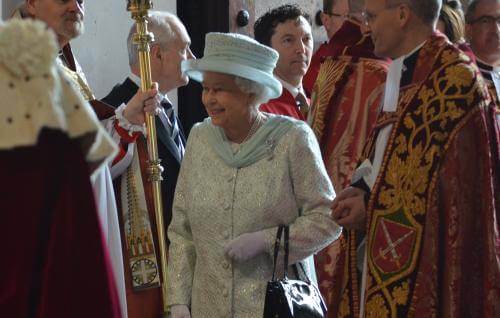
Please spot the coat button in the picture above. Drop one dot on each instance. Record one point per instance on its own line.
(227, 206)
(225, 293)
(225, 265)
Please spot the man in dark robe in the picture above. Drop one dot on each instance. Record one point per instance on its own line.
(134, 192)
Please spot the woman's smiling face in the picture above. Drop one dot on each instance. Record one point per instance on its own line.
(226, 104)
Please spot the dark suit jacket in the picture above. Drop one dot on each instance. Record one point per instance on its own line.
(170, 160)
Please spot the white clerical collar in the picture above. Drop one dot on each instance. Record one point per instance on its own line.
(495, 74)
(136, 79)
(294, 91)
(495, 70)
(392, 85)
(479, 60)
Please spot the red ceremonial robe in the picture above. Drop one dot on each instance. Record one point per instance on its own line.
(313, 70)
(348, 35)
(346, 100)
(55, 262)
(283, 105)
(432, 220)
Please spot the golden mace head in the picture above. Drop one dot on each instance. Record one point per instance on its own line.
(139, 10)
(139, 5)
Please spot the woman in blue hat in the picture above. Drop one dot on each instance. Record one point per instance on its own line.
(244, 173)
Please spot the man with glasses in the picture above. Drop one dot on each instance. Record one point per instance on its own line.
(340, 33)
(423, 196)
(333, 15)
(483, 33)
(345, 104)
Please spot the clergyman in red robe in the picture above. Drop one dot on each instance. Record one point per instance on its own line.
(430, 219)
(346, 100)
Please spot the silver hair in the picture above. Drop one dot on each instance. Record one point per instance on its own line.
(262, 93)
(162, 25)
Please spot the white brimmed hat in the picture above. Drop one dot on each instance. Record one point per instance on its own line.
(239, 55)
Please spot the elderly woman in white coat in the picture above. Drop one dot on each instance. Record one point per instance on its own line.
(244, 173)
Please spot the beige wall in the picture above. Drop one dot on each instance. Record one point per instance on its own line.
(7, 6)
(309, 6)
(102, 49)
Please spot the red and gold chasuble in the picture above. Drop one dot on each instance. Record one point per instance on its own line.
(346, 99)
(432, 220)
(348, 35)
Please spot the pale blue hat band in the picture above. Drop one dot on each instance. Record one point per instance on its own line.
(195, 68)
(238, 55)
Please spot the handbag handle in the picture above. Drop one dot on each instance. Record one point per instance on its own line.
(286, 234)
(296, 270)
(286, 230)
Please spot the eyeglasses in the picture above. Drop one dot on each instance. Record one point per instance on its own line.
(335, 15)
(486, 21)
(369, 17)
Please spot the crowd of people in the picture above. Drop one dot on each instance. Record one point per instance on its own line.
(380, 151)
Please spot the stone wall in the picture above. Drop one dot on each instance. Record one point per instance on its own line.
(102, 49)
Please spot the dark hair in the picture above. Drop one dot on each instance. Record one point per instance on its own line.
(264, 27)
(471, 10)
(327, 6)
(453, 18)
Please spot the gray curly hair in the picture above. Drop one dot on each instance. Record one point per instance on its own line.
(262, 93)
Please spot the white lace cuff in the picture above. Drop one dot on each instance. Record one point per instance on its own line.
(125, 124)
(365, 172)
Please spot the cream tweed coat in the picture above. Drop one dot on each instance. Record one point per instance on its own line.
(215, 203)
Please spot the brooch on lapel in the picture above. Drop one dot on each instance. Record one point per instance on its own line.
(270, 145)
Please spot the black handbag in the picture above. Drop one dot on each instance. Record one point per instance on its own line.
(287, 298)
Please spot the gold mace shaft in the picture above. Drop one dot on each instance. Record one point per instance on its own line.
(139, 10)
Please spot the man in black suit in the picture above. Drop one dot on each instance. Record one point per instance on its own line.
(139, 238)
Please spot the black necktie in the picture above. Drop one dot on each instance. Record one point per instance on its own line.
(173, 130)
(302, 103)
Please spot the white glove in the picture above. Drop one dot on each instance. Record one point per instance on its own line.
(246, 246)
(179, 311)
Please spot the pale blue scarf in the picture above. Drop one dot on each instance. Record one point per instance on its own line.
(259, 146)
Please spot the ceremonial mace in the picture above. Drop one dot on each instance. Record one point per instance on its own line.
(139, 10)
